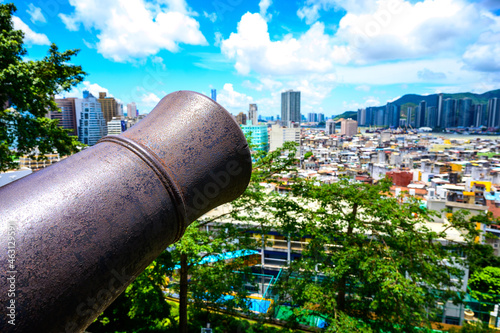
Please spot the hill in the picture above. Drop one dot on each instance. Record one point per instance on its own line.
(348, 114)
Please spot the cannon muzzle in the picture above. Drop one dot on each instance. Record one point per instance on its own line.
(75, 234)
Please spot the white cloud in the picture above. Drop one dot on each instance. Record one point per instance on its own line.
(310, 10)
(484, 54)
(35, 14)
(133, 29)
(263, 7)
(150, 100)
(212, 16)
(232, 100)
(218, 38)
(93, 88)
(30, 37)
(71, 23)
(252, 49)
(399, 29)
(370, 32)
(159, 61)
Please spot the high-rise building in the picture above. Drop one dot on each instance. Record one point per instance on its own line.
(431, 117)
(420, 116)
(108, 106)
(330, 127)
(290, 107)
(479, 115)
(396, 116)
(348, 127)
(439, 118)
(362, 117)
(67, 116)
(449, 113)
(312, 117)
(493, 113)
(259, 136)
(214, 94)
(132, 110)
(241, 118)
(119, 109)
(465, 112)
(252, 114)
(91, 122)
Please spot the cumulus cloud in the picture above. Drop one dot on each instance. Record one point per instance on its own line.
(150, 99)
(133, 29)
(485, 58)
(369, 33)
(35, 14)
(30, 37)
(398, 29)
(232, 100)
(252, 49)
(484, 54)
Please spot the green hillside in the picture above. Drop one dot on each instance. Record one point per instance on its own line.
(348, 114)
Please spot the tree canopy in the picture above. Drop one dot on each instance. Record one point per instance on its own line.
(485, 285)
(369, 256)
(29, 86)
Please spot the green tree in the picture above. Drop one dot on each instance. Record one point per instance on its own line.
(208, 277)
(370, 256)
(30, 86)
(485, 286)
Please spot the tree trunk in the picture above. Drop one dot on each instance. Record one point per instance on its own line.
(183, 327)
(343, 280)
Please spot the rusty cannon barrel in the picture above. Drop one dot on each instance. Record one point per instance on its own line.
(75, 234)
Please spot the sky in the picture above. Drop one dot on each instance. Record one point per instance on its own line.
(340, 54)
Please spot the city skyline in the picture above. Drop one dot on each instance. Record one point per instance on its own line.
(341, 55)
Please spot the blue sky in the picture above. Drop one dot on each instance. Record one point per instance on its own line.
(341, 54)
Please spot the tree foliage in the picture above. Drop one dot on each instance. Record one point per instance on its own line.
(30, 86)
(485, 285)
(370, 256)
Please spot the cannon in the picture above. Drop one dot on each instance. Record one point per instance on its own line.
(75, 234)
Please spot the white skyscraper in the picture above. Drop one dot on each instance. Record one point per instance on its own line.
(90, 120)
(252, 114)
(131, 110)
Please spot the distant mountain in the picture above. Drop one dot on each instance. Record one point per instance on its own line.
(348, 114)
(431, 100)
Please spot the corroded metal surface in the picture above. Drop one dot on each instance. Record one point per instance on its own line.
(85, 227)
